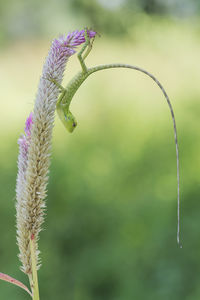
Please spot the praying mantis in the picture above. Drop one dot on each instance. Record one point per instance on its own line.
(66, 95)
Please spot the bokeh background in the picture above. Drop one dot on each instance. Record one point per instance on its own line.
(110, 230)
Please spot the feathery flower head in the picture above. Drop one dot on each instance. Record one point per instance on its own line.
(35, 147)
(61, 49)
(69, 43)
(76, 38)
(23, 143)
(29, 122)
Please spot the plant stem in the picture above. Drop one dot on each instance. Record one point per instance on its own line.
(35, 289)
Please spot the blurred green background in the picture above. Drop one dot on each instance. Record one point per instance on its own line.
(110, 230)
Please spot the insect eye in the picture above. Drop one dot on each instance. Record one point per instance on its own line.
(74, 124)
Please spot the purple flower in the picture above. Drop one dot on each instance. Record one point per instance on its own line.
(23, 143)
(29, 122)
(61, 49)
(35, 147)
(76, 38)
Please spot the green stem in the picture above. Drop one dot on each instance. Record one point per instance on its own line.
(34, 277)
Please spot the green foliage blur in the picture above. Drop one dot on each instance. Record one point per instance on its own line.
(110, 229)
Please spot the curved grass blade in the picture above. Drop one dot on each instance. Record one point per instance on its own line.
(14, 281)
